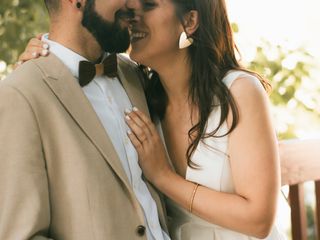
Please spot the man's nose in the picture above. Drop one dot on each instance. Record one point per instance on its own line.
(135, 6)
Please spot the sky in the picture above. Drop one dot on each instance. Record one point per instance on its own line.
(291, 22)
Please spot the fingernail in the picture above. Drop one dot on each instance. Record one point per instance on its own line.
(135, 109)
(128, 118)
(129, 132)
(34, 54)
(45, 46)
(44, 52)
(127, 111)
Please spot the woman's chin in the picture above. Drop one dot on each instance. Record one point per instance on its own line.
(135, 56)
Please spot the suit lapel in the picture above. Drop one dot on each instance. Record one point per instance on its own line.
(131, 81)
(67, 90)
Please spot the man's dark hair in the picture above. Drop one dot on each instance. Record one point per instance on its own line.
(52, 5)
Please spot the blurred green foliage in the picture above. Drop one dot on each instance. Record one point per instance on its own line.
(19, 21)
(294, 90)
(311, 223)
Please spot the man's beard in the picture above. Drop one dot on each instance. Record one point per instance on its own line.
(110, 36)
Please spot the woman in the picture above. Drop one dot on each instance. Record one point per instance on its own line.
(211, 148)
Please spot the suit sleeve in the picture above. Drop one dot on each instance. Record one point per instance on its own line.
(24, 196)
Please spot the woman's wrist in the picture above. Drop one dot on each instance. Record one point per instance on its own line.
(164, 178)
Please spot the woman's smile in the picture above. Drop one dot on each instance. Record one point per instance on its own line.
(137, 35)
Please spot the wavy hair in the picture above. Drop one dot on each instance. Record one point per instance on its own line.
(212, 55)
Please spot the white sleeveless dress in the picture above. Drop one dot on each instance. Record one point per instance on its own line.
(215, 173)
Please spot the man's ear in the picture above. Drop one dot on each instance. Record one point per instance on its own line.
(77, 3)
(191, 22)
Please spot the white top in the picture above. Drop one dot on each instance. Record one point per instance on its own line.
(109, 100)
(211, 156)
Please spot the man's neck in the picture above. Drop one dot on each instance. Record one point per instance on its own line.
(81, 42)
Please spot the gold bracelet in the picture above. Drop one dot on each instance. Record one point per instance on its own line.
(192, 196)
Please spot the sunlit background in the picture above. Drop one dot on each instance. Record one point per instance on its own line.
(293, 25)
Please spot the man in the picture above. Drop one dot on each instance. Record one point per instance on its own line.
(67, 169)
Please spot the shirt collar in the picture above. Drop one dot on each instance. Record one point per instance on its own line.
(70, 58)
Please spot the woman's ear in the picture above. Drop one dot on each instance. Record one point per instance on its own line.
(191, 22)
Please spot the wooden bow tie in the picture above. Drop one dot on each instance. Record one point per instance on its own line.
(88, 70)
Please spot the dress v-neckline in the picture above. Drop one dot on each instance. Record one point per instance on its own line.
(167, 153)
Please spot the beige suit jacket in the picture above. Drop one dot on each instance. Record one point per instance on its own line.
(60, 176)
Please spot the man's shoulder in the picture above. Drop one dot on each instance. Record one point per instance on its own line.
(25, 74)
(125, 61)
(132, 68)
(31, 73)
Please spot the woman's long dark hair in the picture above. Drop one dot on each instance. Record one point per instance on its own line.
(211, 56)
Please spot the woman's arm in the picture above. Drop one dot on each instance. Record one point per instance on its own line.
(254, 164)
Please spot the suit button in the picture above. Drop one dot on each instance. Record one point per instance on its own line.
(141, 230)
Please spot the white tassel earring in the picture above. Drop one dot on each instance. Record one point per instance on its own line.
(184, 41)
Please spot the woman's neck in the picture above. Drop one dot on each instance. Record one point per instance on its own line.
(175, 77)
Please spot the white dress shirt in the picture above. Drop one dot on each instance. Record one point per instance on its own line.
(109, 100)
